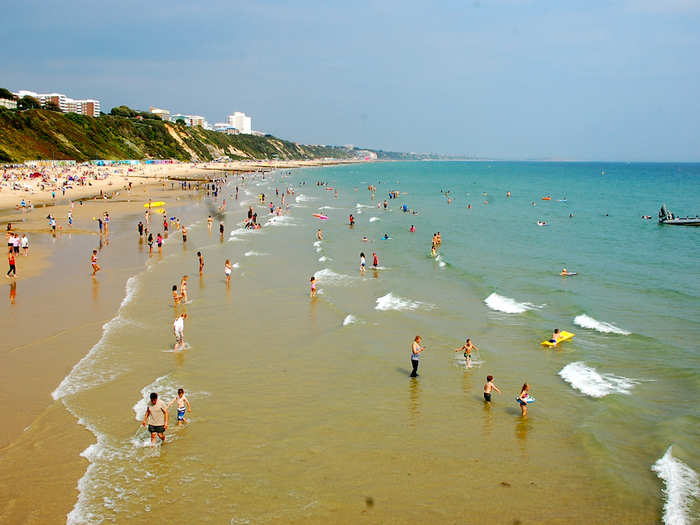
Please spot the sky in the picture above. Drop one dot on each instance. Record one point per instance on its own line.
(507, 79)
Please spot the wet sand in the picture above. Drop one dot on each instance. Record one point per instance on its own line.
(53, 314)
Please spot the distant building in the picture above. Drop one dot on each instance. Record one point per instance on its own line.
(89, 107)
(258, 133)
(8, 103)
(191, 120)
(164, 114)
(225, 127)
(242, 122)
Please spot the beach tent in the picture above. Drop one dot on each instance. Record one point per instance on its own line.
(35, 175)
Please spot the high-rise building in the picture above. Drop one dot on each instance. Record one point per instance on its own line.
(241, 121)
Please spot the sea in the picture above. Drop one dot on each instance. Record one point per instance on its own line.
(302, 408)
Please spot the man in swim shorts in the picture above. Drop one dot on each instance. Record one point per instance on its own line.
(157, 418)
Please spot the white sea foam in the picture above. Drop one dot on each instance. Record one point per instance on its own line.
(585, 321)
(507, 305)
(328, 208)
(323, 258)
(328, 276)
(235, 265)
(253, 254)
(358, 205)
(304, 198)
(373, 219)
(394, 302)
(349, 319)
(440, 261)
(681, 489)
(85, 374)
(586, 380)
(282, 220)
(317, 243)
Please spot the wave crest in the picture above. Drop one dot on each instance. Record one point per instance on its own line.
(585, 321)
(585, 379)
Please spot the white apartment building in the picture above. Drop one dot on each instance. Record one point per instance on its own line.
(89, 106)
(241, 121)
(7, 103)
(164, 114)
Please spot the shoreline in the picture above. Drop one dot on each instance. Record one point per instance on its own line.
(104, 180)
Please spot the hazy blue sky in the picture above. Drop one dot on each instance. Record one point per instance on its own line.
(567, 79)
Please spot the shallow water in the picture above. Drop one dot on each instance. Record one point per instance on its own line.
(302, 409)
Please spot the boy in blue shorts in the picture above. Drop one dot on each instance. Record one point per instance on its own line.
(182, 404)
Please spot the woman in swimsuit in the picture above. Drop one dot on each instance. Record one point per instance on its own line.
(227, 271)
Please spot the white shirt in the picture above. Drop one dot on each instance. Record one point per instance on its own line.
(15, 241)
(179, 325)
(25, 242)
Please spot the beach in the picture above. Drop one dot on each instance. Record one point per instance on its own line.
(303, 410)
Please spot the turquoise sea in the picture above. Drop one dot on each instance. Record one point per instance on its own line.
(303, 409)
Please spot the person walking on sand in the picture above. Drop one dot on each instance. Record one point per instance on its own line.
(157, 418)
(93, 261)
(488, 388)
(201, 263)
(227, 271)
(11, 263)
(523, 397)
(467, 348)
(184, 234)
(25, 244)
(416, 350)
(182, 404)
(179, 330)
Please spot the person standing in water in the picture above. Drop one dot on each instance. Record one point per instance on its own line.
(416, 350)
(363, 263)
(523, 397)
(201, 263)
(182, 404)
(227, 272)
(375, 260)
(488, 388)
(183, 289)
(93, 262)
(319, 234)
(179, 330)
(467, 347)
(313, 286)
(157, 418)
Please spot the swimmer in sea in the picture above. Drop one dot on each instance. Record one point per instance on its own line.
(363, 263)
(319, 234)
(467, 348)
(176, 297)
(412, 229)
(488, 388)
(313, 286)
(555, 336)
(564, 272)
(522, 398)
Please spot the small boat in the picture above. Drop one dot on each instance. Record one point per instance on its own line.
(546, 198)
(667, 217)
